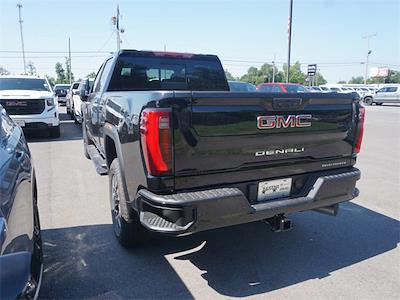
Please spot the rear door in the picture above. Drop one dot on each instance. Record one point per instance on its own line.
(392, 94)
(267, 134)
(380, 95)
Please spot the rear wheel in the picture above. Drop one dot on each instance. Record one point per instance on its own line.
(86, 142)
(75, 118)
(369, 100)
(126, 224)
(71, 113)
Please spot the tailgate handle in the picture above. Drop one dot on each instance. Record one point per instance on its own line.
(286, 103)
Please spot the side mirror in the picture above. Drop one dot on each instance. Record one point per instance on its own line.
(83, 94)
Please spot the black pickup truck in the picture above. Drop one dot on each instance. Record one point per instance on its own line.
(184, 154)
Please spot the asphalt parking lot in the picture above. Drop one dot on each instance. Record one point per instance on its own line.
(353, 255)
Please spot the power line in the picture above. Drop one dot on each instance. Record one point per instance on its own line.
(108, 39)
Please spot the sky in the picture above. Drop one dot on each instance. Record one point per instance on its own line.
(242, 33)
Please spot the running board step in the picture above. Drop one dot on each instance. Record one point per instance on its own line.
(156, 223)
(98, 161)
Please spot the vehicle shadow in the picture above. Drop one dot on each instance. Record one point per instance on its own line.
(68, 131)
(87, 262)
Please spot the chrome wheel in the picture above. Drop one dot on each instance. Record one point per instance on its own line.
(115, 205)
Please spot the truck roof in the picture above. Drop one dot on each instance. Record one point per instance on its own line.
(148, 53)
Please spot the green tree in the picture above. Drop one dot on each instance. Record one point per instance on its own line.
(296, 75)
(67, 69)
(4, 71)
(91, 75)
(60, 72)
(356, 80)
(51, 80)
(30, 68)
(394, 77)
(341, 81)
(251, 76)
(264, 74)
(229, 76)
(319, 79)
(267, 73)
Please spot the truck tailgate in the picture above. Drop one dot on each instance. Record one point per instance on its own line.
(230, 133)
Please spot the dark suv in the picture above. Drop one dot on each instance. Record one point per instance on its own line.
(20, 240)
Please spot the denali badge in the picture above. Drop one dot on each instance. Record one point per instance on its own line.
(279, 151)
(268, 122)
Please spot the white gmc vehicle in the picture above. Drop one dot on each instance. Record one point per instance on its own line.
(30, 102)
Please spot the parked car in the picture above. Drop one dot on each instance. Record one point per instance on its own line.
(72, 90)
(325, 89)
(184, 154)
(30, 102)
(21, 264)
(60, 92)
(316, 89)
(281, 88)
(240, 86)
(361, 91)
(76, 110)
(387, 94)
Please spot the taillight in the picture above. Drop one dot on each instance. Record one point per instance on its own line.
(360, 129)
(155, 131)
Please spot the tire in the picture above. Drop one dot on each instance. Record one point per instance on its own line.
(55, 132)
(86, 142)
(37, 252)
(37, 237)
(71, 113)
(75, 119)
(126, 224)
(369, 100)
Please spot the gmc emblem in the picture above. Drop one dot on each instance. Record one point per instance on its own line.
(16, 103)
(268, 122)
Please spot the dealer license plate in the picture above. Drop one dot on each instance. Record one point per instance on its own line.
(274, 189)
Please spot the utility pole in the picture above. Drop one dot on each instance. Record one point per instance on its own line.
(19, 5)
(368, 37)
(289, 39)
(273, 69)
(69, 61)
(115, 21)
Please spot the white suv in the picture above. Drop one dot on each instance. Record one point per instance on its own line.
(30, 102)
